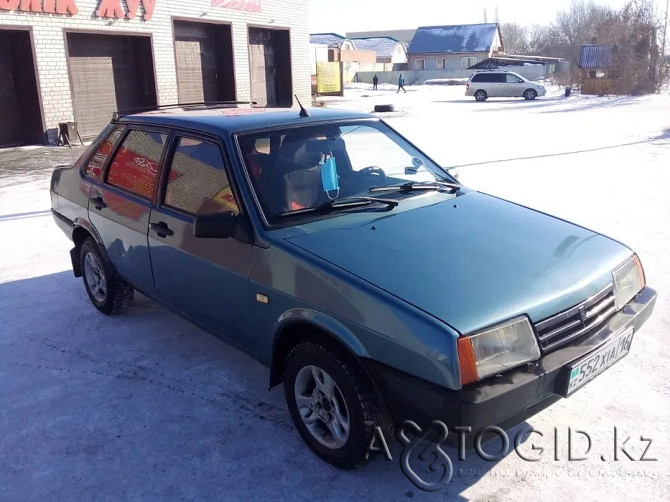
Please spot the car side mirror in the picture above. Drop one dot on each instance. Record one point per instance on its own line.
(215, 225)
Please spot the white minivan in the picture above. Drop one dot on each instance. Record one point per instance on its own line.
(493, 84)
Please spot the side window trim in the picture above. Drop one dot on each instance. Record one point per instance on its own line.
(169, 153)
(94, 150)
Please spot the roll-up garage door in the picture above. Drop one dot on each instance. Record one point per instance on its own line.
(204, 62)
(20, 117)
(108, 73)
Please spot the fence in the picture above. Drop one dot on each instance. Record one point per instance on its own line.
(597, 86)
(418, 77)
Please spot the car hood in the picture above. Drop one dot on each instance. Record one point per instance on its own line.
(474, 260)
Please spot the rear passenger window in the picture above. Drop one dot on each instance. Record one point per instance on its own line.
(97, 162)
(135, 165)
(197, 180)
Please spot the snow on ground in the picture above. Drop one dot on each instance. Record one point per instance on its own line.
(146, 406)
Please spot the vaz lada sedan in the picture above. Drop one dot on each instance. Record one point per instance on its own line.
(376, 287)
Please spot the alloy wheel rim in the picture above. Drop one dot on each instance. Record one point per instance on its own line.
(322, 407)
(95, 277)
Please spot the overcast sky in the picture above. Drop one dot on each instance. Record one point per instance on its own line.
(341, 16)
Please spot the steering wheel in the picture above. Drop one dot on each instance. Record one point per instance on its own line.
(375, 171)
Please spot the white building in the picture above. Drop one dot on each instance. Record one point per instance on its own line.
(80, 60)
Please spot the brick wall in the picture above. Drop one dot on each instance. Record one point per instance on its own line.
(50, 45)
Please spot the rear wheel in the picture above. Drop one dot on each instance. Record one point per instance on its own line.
(332, 402)
(530, 94)
(481, 95)
(107, 293)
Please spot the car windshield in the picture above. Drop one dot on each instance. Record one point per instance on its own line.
(301, 168)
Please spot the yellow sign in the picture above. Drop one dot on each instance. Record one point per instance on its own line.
(328, 79)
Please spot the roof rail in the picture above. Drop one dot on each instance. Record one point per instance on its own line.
(122, 113)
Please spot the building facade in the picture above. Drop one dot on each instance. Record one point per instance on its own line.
(80, 60)
(454, 47)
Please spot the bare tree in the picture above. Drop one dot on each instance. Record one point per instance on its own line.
(515, 38)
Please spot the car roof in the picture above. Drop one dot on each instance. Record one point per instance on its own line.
(237, 118)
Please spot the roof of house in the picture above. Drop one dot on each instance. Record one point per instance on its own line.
(455, 38)
(404, 36)
(595, 56)
(384, 47)
(332, 40)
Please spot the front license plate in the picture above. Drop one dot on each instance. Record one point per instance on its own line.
(587, 369)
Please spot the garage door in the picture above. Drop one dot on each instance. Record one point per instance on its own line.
(9, 102)
(196, 62)
(108, 73)
(20, 115)
(204, 62)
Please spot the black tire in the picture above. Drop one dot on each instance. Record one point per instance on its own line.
(363, 406)
(480, 95)
(384, 108)
(529, 94)
(107, 293)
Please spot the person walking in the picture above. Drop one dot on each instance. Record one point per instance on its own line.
(401, 84)
(375, 81)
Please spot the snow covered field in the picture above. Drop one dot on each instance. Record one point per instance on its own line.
(145, 406)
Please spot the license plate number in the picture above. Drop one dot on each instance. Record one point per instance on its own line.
(587, 369)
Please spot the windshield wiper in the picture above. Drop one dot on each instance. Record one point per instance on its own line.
(341, 204)
(415, 185)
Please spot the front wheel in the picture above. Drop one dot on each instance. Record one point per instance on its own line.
(530, 94)
(332, 403)
(107, 293)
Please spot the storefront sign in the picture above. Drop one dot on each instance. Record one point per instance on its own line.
(50, 6)
(112, 8)
(328, 79)
(248, 5)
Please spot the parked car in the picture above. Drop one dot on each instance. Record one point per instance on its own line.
(375, 286)
(496, 84)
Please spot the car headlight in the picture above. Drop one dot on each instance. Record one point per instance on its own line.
(628, 281)
(497, 349)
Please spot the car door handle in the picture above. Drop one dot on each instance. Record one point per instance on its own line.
(98, 202)
(161, 229)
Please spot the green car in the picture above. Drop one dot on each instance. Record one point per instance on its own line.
(374, 285)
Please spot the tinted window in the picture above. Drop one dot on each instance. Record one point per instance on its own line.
(96, 163)
(488, 77)
(197, 180)
(135, 165)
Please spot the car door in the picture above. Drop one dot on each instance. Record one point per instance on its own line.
(120, 206)
(515, 85)
(205, 279)
(494, 85)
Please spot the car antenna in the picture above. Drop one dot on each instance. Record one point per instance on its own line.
(303, 110)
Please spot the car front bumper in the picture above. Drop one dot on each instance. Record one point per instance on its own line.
(506, 400)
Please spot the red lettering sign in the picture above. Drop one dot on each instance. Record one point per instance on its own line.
(148, 8)
(112, 8)
(248, 5)
(31, 5)
(109, 8)
(50, 6)
(9, 4)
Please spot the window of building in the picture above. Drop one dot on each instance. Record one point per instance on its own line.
(468, 61)
(197, 180)
(439, 63)
(97, 162)
(420, 64)
(135, 165)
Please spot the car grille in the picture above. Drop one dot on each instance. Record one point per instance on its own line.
(576, 321)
